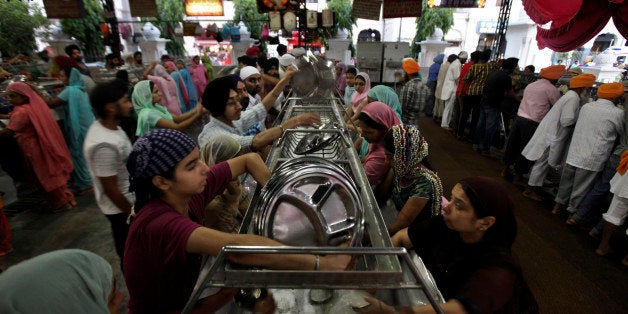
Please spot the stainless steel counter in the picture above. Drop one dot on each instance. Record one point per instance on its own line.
(398, 277)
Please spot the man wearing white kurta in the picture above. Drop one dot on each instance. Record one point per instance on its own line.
(618, 210)
(547, 146)
(440, 83)
(450, 84)
(599, 124)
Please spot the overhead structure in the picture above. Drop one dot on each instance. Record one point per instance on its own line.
(574, 22)
(499, 44)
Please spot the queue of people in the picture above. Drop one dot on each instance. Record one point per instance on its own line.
(558, 129)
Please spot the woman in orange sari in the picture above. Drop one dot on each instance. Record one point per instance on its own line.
(43, 146)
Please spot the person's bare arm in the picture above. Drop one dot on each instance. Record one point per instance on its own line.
(267, 136)
(250, 163)
(208, 241)
(401, 239)
(354, 117)
(269, 100)
(149, 69)
(54, 101)
(179, 123)
(411, 209)
(192, 114)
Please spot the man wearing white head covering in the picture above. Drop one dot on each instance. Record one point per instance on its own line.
(298, 52)
(252, 79)
(285, 61)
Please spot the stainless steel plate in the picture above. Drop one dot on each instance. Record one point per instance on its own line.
(310, 201)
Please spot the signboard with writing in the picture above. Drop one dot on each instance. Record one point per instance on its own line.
(401, 8)
(456, 3)
(204, 8)
(66, 9)
(367, 9)
(487, 27)
(143, 8)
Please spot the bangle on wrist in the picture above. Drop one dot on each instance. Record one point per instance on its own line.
(282, 128)
(317, 262)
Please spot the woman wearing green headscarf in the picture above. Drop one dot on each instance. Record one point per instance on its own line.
(64, 281)
(207, 63)
(151, 115)
(387, 95)
(225, 212)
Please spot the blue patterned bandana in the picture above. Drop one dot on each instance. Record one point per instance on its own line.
(157, 152)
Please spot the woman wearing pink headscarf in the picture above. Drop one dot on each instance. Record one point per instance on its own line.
(182, 91)
(358, 99)
(199, 75)
(42, 144)
(341, 80)
(166, 86)
(375, 120)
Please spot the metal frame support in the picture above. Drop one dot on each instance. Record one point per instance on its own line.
(218, 276)
(110, 18)
(499, 44)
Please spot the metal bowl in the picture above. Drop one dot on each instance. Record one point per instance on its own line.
(316, 77)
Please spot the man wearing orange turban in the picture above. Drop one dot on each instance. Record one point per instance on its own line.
(538, 98)
(547, 146)
(610, 91)
(553, 72)
(582, 80)
(617, 211)
(599, 124)
(410, 66)
(413, 94)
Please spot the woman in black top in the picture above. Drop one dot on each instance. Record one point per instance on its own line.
(468, 251)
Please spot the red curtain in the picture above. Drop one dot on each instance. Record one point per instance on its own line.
(590, 19)
(557, 12)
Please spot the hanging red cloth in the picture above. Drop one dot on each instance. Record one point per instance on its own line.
(589, 20)
(557, 12)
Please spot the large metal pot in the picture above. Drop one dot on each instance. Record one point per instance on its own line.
(310, 201)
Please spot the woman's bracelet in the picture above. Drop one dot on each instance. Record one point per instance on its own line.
(317, 263)
(282, 129)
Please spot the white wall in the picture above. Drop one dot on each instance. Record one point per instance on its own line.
(520, 36)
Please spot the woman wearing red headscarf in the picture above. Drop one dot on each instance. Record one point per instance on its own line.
(42, 144)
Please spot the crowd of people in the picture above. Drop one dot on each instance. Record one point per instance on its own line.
(172, 192)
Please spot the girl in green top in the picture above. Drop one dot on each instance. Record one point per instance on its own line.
(151, 115)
